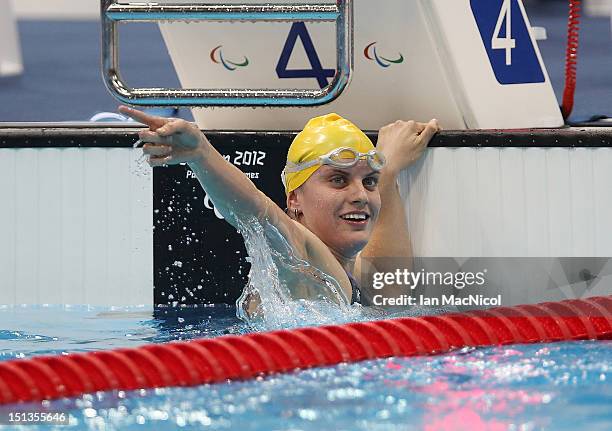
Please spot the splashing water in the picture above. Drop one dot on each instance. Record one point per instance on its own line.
(141, 166)
(303, 295)
(285, 291)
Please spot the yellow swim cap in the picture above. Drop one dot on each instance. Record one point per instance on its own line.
(321, 136)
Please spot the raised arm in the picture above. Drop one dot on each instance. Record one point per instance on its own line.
(173, 141)
(402, 143)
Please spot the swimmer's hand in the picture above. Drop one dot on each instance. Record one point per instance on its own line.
(403, 142)
(168, 141)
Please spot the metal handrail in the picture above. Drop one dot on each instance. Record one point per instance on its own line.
(112, 13)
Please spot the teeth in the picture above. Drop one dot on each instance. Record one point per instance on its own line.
(354, 217)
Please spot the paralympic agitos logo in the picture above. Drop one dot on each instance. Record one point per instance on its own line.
(371, 54)
(216, 55)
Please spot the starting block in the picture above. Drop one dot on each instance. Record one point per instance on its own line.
(473, 64)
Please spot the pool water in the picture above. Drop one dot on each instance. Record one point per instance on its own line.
(558, 386)
(31, 330)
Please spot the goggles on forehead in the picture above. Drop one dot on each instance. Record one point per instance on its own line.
(343, 157)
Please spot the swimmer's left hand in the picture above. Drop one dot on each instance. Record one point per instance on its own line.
(403, 142)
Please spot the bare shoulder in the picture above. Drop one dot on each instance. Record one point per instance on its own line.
(319, 255)
(306, 245)
(292, 232)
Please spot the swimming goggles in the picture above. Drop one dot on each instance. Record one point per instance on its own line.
(343, 157)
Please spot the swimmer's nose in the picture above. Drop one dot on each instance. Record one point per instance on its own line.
(359, 194)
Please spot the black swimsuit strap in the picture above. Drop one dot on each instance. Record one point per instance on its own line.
(356, 291)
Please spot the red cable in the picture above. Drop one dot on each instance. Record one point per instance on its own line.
(189, 363)
(571, 58)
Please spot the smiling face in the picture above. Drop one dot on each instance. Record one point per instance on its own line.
(340, 206)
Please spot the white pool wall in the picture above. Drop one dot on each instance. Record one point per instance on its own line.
(525, 202)
(549, 207)
(75, 227)
(76, 224)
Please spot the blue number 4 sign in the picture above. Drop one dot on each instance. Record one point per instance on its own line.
(505, 35)
(299, 31)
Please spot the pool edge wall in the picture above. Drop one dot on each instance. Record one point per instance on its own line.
(84, 237)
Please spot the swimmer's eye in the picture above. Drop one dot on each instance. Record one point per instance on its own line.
(370, 182)
(338, 180)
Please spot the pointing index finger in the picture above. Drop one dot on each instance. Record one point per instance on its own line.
(154, 123)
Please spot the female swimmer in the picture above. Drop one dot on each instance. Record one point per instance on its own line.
(344, 210)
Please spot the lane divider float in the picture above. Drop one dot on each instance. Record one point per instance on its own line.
(195, 362)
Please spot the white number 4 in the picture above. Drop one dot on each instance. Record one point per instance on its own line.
(507, 43)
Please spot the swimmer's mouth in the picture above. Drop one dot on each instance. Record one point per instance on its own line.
(356, 217)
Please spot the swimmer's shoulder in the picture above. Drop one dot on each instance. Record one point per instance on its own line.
(314, 248)
(317, 253)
